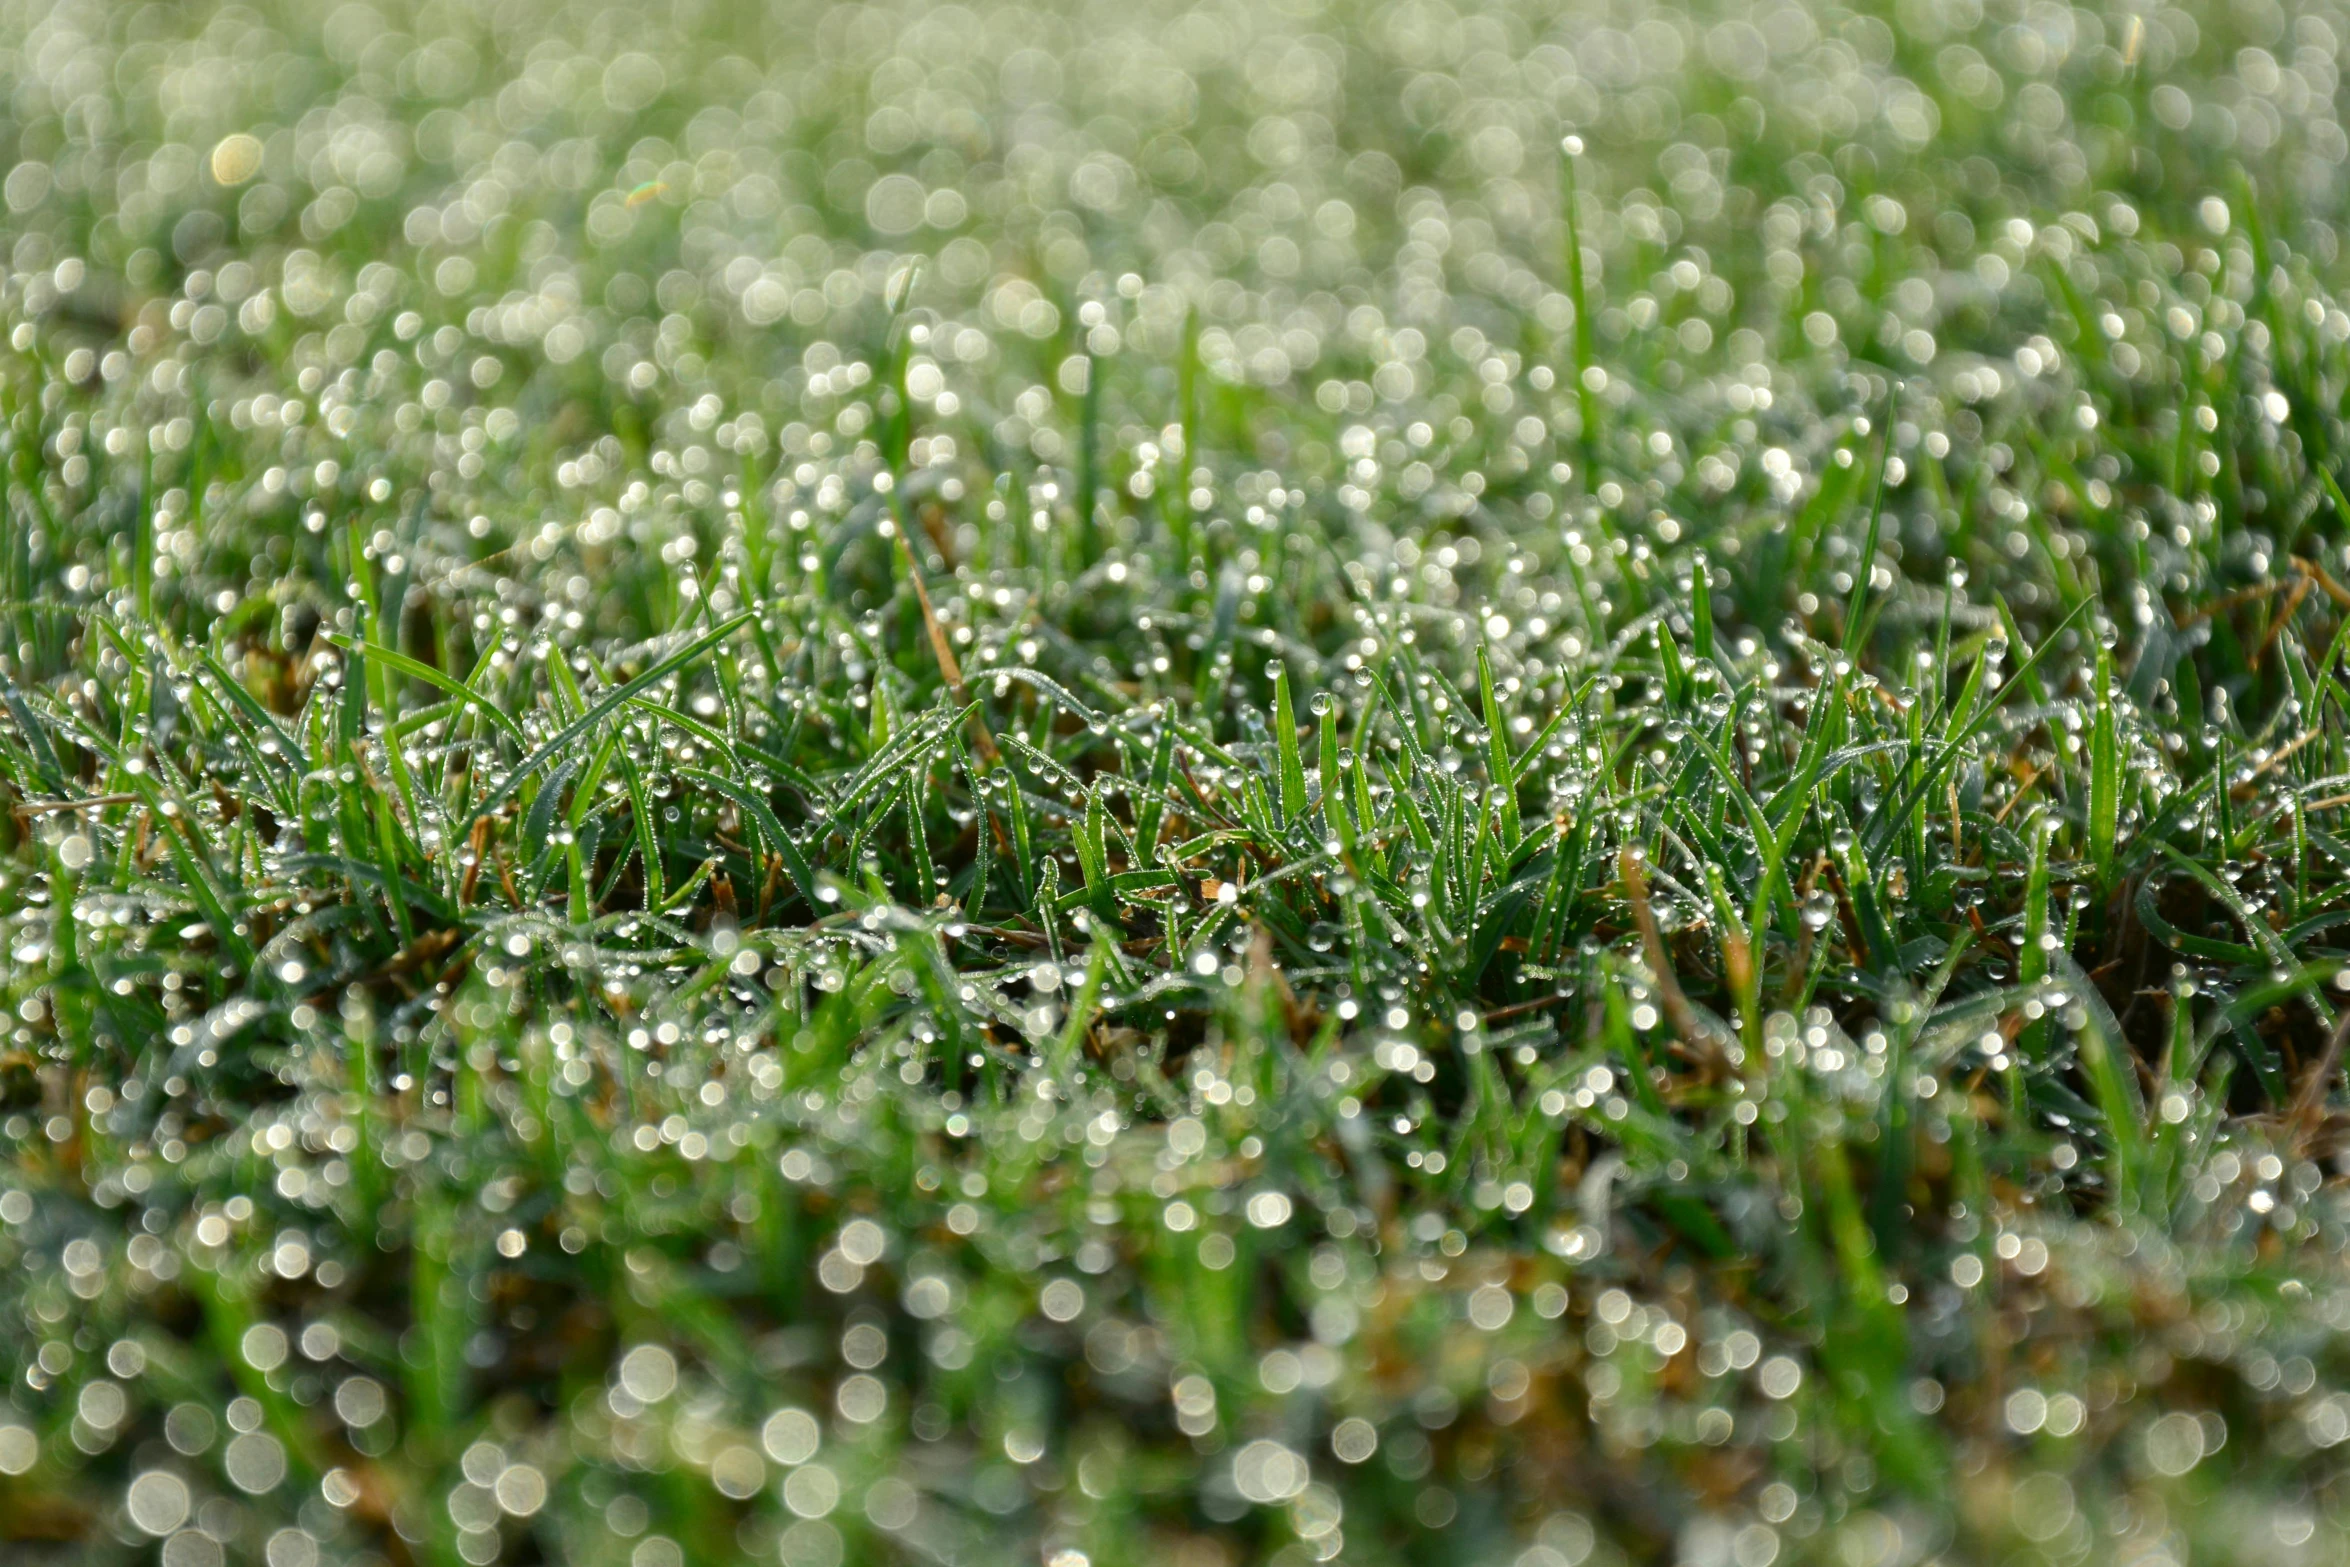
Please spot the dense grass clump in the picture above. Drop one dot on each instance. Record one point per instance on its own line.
(1152, 783)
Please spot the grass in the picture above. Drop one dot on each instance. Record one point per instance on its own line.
(1208, 785)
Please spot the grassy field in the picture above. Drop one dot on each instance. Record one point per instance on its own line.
(1291, 782)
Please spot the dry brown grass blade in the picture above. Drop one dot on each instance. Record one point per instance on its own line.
(2283, 618)
(2309, 1102)
(941, 647)
(1694, 1036)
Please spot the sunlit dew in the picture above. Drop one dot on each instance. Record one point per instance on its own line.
(959, 784)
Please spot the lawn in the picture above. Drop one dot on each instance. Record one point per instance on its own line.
(1501, 784)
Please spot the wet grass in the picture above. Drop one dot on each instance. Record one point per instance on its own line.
(1241, 784)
